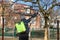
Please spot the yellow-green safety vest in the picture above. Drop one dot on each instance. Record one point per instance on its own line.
(20, 27)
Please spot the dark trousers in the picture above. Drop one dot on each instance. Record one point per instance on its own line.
(23, 36)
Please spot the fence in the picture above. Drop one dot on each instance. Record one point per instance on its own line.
(34, 34)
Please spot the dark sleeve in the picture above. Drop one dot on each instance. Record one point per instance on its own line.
(34, 15)
(28, 20)
(15, 29)
(15, 32)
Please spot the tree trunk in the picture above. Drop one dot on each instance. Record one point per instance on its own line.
(46, 29)
(46, 34)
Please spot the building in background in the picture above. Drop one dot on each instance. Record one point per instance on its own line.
(11, 16)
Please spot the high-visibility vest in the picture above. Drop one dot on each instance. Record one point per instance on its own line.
(20, 27)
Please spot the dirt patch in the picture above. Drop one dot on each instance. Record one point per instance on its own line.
(9, 38)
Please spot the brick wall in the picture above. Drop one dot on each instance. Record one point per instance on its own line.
(11, 17)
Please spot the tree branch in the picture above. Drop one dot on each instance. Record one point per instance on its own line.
(28, 0)
(53, 5)
(40, 8)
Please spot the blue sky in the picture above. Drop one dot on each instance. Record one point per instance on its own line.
(42, 4)
(29, 3)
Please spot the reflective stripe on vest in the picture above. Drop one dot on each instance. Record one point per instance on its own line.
(20, 27)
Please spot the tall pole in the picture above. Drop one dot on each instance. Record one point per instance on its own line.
(2, 20)
(57, 29)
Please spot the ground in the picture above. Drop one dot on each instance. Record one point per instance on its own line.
(15, 38)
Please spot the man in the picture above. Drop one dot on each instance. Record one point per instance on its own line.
(26, 20)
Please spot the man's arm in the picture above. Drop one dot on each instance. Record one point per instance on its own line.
(34, 15)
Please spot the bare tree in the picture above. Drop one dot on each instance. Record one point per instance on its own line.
(46, 12)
